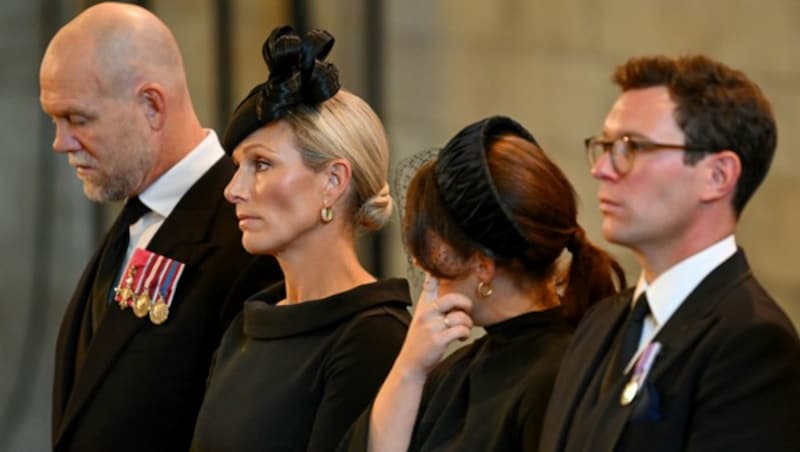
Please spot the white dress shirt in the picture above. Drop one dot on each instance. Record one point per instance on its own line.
(164, 194)
(669, 290)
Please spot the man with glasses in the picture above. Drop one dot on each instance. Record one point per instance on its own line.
(697, 356)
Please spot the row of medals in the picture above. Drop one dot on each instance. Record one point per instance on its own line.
(142, 303)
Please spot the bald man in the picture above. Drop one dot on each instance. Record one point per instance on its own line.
(131, 369)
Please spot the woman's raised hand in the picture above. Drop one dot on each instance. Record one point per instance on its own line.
(437, 322)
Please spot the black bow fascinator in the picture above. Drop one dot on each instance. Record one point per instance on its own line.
(468, 192)
(298, 75)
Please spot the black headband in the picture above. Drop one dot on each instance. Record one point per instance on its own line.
(468, 192)
(298, 76)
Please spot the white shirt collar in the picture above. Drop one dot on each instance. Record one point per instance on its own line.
(164, 194)
(668, 291)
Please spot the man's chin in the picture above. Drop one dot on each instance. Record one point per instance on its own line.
(612, 234)
(98, 193)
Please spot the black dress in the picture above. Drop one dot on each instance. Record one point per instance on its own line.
(295, 377)
(490, 395)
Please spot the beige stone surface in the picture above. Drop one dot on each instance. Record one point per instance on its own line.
(191, 21)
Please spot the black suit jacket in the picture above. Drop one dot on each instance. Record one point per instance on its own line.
(727, 377)
(141, 385)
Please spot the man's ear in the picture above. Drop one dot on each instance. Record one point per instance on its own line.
(337, 175)
(722, 171)
(152, 99)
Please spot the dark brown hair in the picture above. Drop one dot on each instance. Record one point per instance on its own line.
(718, 108)
(541, 202)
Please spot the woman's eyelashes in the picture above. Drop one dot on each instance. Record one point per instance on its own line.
(261, 164)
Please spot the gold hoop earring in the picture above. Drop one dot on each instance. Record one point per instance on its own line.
(484, 289)
(326, 214)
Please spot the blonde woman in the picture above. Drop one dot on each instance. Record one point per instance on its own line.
(305, 357)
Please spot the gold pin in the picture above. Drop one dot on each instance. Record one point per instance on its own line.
(629, 393)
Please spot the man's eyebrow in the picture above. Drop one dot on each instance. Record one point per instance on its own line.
(70, 111)
(622, 133)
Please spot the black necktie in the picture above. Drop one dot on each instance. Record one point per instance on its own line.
(626, 343)
(112, 257)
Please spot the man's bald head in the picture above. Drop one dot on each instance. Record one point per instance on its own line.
(113, 81)
(123, 45)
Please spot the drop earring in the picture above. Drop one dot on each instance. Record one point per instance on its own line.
(326, 214)
(484, 289)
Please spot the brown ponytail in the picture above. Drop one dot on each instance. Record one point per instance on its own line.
(590, 277)
(544, 205)
(539, 201)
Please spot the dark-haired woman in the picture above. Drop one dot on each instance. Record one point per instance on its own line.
(304, 358)
(487, 220)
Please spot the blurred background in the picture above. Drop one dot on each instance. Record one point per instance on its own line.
(428, 68)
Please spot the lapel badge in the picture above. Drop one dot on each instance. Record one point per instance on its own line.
(629, 393)
(643, 366)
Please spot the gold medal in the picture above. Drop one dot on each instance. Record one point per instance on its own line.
(125, 292)
(629, 393)
(142, 305)
(160, 312)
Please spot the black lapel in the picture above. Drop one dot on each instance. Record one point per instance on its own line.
(689, 322)
(183, 236)
(697, 313)
(68, 336)
(589, 346)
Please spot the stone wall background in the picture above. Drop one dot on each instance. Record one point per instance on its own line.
(446, 63)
